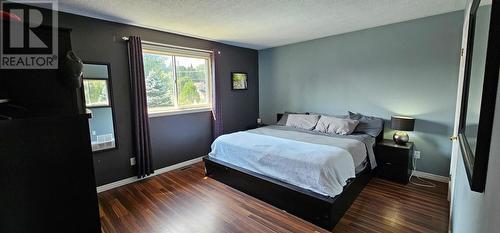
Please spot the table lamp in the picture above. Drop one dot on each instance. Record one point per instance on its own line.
(402, 124)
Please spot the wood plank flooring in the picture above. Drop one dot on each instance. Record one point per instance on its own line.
(186, 201)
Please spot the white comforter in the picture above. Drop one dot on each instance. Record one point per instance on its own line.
(320, 168)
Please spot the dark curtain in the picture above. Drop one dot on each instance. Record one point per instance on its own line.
(217, 123)
(141, 139)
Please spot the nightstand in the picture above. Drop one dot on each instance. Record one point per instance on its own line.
(394, 161)
(256, 126)
(261, 125)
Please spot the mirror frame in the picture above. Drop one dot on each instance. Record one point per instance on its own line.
(111, 102)
(476, 162)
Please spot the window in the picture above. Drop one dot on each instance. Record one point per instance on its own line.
(177, 80)
(96, 92)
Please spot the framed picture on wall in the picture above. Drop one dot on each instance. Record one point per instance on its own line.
(239, 81)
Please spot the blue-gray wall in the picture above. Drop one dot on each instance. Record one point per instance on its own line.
(408, 68)
(472, 211)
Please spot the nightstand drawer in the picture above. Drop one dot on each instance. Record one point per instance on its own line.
(393, 172)
(393, 156)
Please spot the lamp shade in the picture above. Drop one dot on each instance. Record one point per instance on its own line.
(402, 123)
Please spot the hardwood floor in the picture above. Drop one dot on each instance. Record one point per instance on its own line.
(186, 201)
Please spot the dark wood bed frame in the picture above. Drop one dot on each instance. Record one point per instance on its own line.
(321, 210)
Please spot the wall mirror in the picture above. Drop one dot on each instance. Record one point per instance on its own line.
(479, 89)
(98, 101)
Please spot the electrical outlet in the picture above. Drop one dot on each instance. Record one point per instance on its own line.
(132, 161)
(416, 154)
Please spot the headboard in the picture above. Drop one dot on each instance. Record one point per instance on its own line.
(379, 138)
(279, 116)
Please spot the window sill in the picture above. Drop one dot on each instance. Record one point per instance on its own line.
(179, 112)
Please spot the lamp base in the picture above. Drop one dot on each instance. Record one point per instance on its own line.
(400, 137)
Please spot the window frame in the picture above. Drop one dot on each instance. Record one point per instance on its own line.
(175, 51)
(110, 101)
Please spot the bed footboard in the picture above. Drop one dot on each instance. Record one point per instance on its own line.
(318, 209)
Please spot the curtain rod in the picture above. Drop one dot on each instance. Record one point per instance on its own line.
(169, 45)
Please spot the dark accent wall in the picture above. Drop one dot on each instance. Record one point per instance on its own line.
(175, 138)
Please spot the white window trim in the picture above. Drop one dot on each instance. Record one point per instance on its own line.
(155, 48)
(179, 112)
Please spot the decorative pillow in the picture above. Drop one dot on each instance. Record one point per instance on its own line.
(334, 125)
(302, 121)
(367, 124)
(284, 118)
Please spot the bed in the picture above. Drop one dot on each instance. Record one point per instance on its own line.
(312, 175)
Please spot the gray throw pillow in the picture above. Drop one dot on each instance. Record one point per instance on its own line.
(302, 121)
(367, 124)
(334, 125)
(284, 118)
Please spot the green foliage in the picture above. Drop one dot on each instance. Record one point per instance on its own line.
(159, 80)
(239, 77)
(188, 92)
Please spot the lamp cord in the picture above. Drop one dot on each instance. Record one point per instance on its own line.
(427, 184)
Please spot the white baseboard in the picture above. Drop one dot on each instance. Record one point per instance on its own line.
(129, 180)
(431, 176)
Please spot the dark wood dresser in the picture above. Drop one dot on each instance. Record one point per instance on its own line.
(47, 179)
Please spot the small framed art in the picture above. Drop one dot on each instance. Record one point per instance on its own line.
(239, 81)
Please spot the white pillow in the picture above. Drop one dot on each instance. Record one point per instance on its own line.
(329, 124)
(302, 121)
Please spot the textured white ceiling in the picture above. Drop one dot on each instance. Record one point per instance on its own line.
(259, 24)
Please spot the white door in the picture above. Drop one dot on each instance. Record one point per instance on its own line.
(455, 147)
(455, 151)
